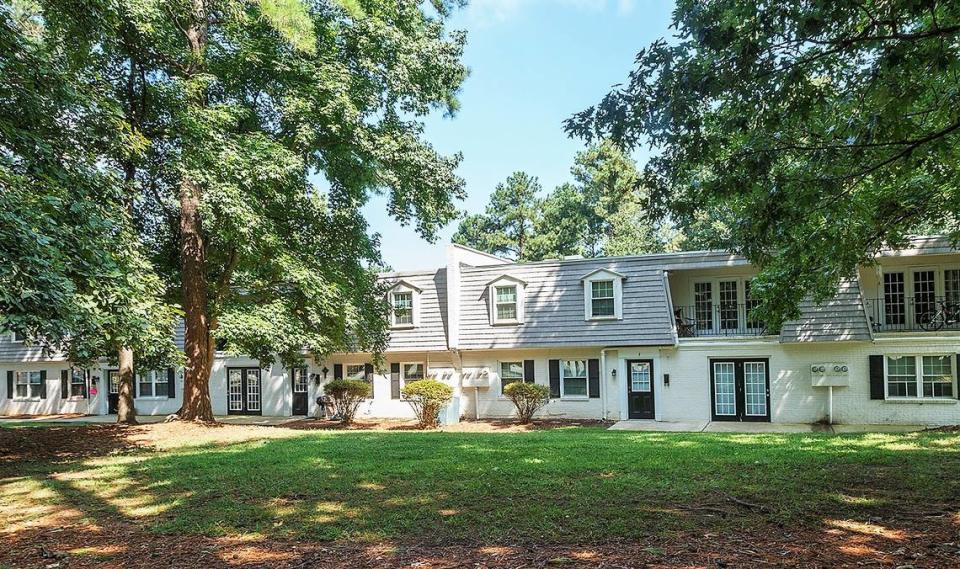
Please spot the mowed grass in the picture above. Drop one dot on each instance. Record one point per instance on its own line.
(576, 485)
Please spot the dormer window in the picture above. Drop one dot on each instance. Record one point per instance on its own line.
(506, 300)
(603, 295)
(404, 304)
(403, 309)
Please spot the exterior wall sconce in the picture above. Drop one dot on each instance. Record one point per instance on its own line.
(613, 373)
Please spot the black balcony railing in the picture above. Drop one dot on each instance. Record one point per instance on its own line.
(901, 313)
(717, 319)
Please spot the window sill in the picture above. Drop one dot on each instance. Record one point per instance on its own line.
(921, 400)
(507, 323)
(152, 398)
(403, 327)
(574, 398)
(602, 318)
(27, 399)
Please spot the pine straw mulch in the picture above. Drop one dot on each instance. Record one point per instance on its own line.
(124, 545)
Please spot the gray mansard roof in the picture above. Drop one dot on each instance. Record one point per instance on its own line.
(430, 334)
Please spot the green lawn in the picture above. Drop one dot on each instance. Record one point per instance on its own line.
(574, 485)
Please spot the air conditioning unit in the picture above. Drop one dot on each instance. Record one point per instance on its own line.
(829, 374)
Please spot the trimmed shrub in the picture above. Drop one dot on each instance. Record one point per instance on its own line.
(528, 398)
(347, 395)
(427, 397)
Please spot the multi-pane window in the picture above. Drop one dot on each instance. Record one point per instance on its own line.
(152, 384)
(28, 384)
(356, 371)
(601, 299)
(724, 388)
(505, 301)
(924, 295)
(300, 380)
(755, 388)
(753, 323)
(703, 305)
(894, 299)
(573, 378)
(78, 383)
(412, 372)
(920, 376)
(510, 372)
(951, 286)
(640, 377)
(729, 318)
(937, 376)
(402, 309)
(113, 381)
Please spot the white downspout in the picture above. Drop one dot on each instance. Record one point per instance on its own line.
(603, 380)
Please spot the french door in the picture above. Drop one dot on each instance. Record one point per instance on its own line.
(740, 389)
(243, 391)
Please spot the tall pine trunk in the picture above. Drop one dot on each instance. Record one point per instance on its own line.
(197, 342)
(126, 412)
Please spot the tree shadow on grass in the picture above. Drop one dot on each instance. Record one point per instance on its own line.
(851, 497)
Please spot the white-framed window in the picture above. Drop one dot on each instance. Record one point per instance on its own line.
(510, 372)
(410, 372)
(78, 383)
(603, 295)
(18, 337)
(926, 376)
(724, 306)
(300, 380)
(356, 371)
(152, 384)
(28, 384)
(506, 300)
(402, 308)
(573, 378)
(910, 294)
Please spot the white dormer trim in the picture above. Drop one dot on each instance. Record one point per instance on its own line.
(603, 275)
(403, 286)
(501, 281)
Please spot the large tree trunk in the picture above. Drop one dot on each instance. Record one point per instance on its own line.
(126, 412)
(197, 341)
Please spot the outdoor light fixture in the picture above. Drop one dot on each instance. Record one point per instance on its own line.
(613, 372)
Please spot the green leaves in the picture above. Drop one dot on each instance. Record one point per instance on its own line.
(291, 19)
(816, 133)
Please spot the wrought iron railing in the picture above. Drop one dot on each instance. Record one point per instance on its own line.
(901, 313)
(717, 319)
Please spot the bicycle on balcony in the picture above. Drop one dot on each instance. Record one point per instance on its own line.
(947, 314)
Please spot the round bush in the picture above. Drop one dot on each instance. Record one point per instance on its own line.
(528, 398)
(347, 395)
(427, 397)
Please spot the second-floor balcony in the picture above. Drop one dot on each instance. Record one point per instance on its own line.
(918, 313)
(717, 319)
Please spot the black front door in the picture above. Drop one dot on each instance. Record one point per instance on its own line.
(640, 389)
(243, 391)
(298, 380)
(740, 389)
(113, 391)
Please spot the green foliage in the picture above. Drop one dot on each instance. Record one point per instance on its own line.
(528, 398)
(812, 134)
(347, 395)
(428, 397)
(507, 226)
(73, 276)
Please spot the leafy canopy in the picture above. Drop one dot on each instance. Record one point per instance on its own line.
(814, 132)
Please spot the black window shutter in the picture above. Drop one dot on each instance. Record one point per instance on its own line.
(171, 383)
(136, 384)
(876, 377)
(555, 378)
(394, 381)
(64, 384)
(43, 384)
(9, 384)
(528, 374)
(86, 381)
(593, 375)
(957, 373)
(337, 371)
(368, 375)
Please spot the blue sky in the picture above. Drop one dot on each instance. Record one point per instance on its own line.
(533, 63)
